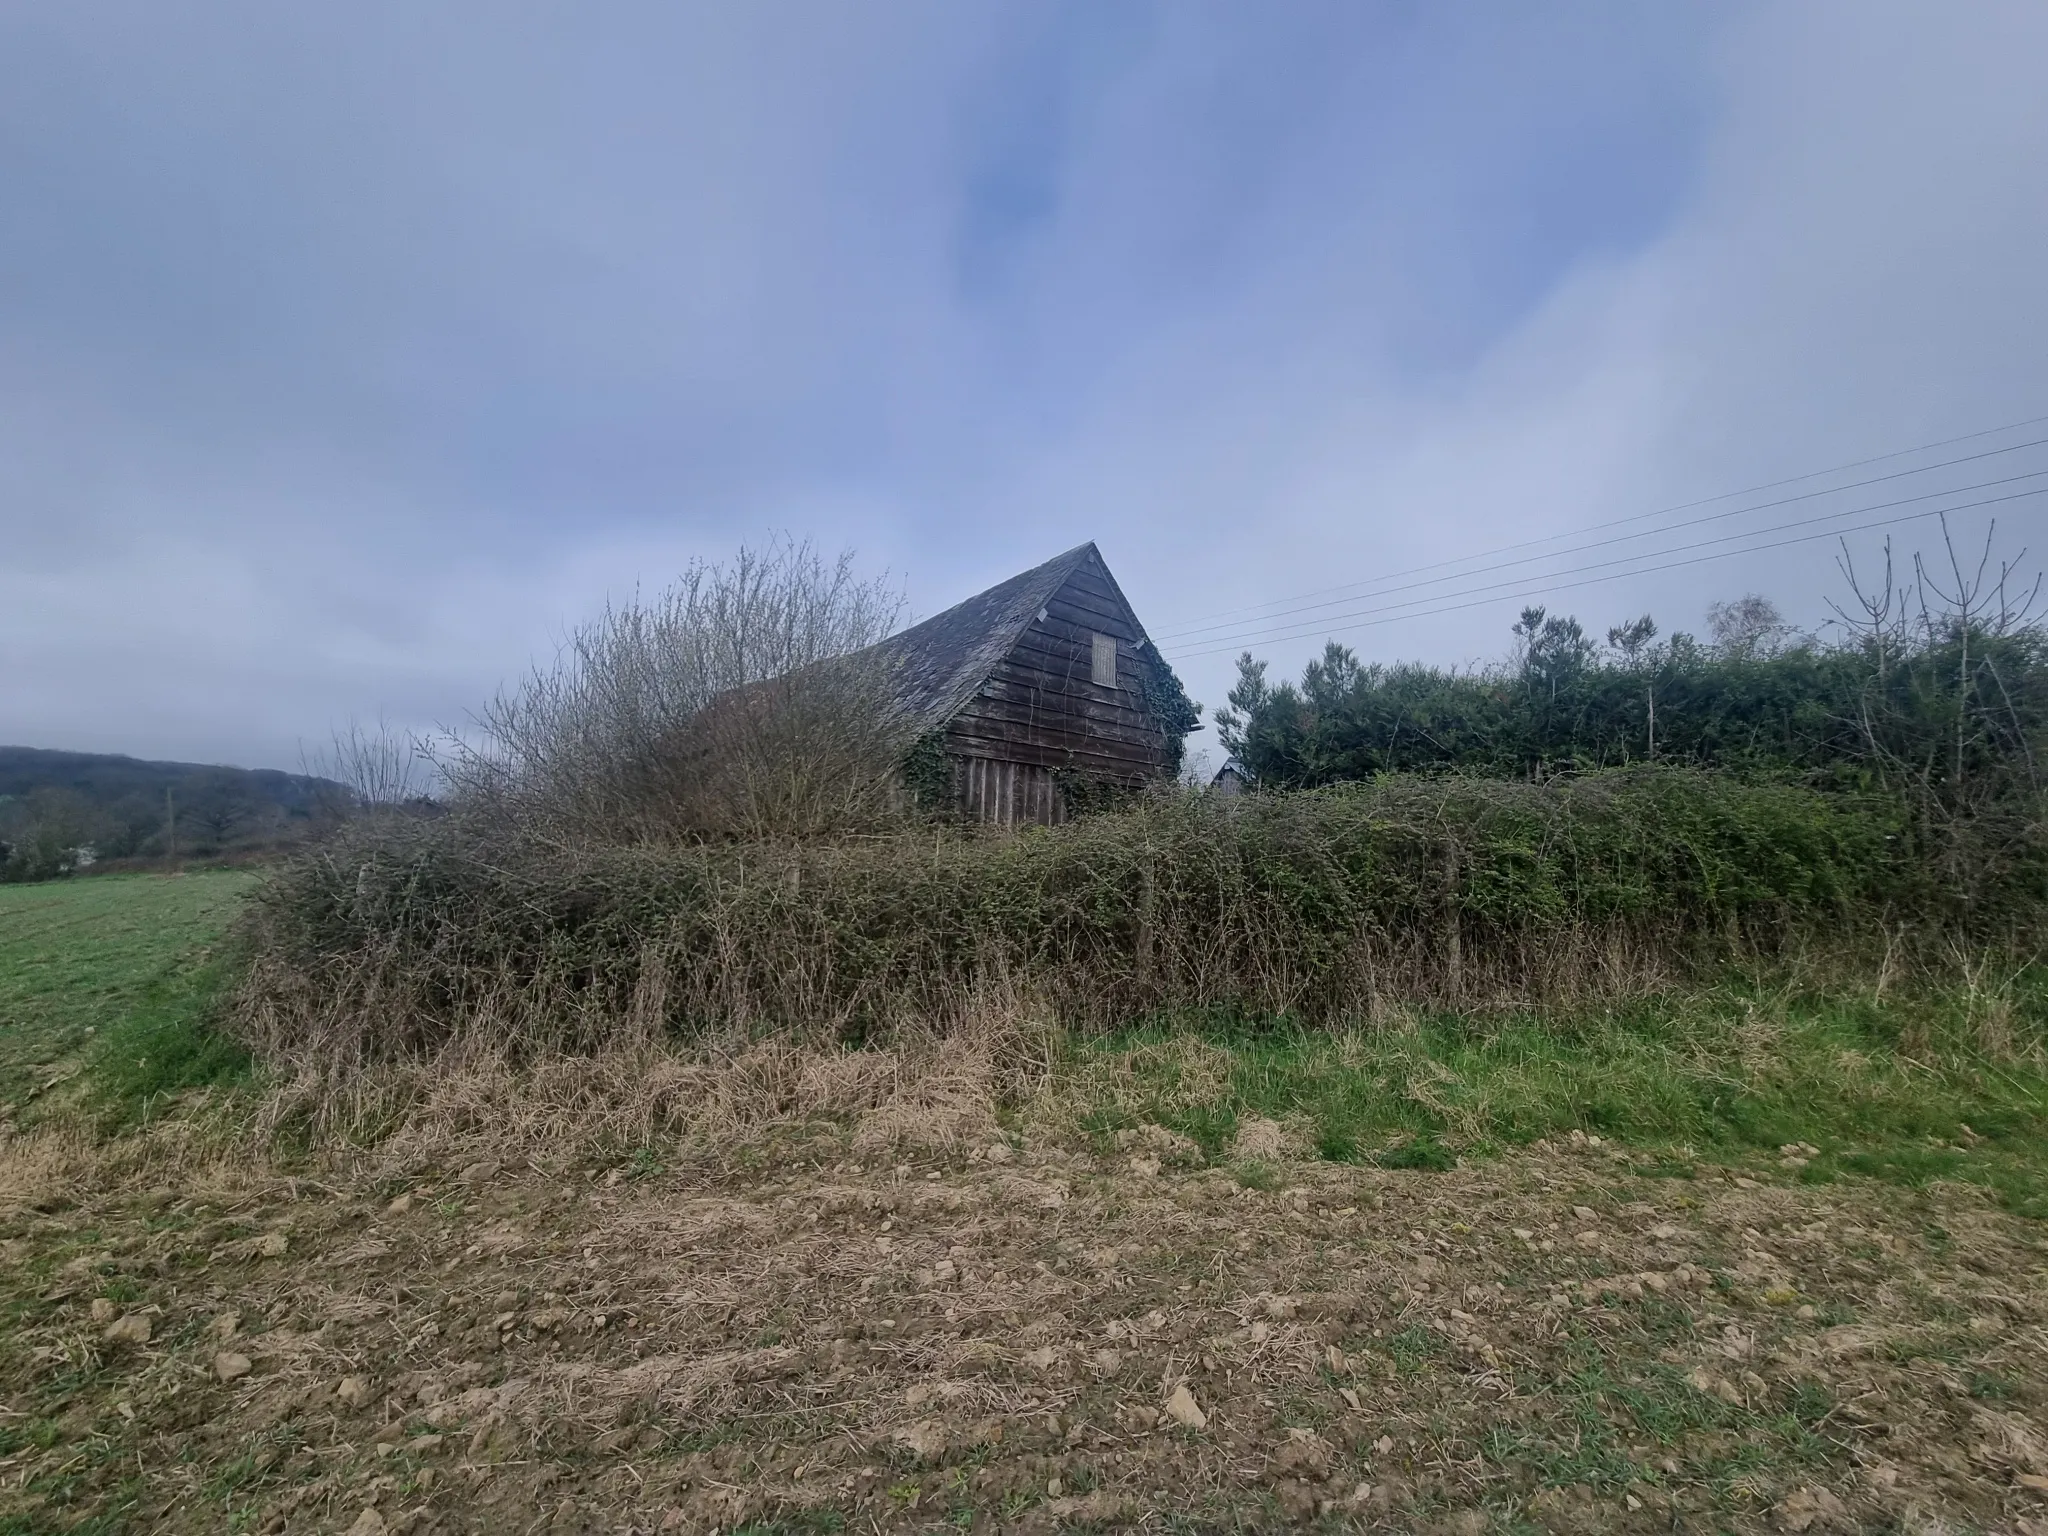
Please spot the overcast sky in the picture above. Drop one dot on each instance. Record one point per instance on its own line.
(348, 353)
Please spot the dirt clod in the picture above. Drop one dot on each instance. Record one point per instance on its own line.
(1261, 1140)
(1812, 1508)
(229, 1366)
(1182, 1408)
(132, 1329)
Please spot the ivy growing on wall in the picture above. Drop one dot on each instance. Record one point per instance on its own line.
(1168, 703)
(927, 774)
(1085, 794)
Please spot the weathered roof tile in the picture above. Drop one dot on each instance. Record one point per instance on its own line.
(940, 664)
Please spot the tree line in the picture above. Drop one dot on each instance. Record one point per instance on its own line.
(1931, 684)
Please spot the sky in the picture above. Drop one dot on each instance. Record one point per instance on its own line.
(349, 355)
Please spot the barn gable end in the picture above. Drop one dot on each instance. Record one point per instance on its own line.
(1046, 714)
(1040, 703)
(1040, 684)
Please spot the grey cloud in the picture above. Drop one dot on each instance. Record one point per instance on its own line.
(348, 353)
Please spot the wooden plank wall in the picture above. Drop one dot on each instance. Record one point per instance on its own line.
(1041, 710)
(1007, 794)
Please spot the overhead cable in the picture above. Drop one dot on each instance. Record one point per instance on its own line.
(1369, 618)
(1196, 634)
(1257, 612)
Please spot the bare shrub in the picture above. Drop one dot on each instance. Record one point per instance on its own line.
(379, 768)
(745, 700)
(1951, 708)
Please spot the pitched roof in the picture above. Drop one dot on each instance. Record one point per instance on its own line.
(940, 664)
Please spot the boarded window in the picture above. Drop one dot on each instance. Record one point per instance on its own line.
(1105, 661)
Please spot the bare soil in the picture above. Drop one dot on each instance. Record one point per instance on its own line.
(1018, 1339)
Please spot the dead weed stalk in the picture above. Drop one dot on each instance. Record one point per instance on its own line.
(934, 1084)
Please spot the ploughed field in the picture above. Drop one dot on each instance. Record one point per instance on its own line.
(1058, 1314)
(1029, 1338)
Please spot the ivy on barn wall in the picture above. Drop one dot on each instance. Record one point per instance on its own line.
(928, 772)
(1169, 704)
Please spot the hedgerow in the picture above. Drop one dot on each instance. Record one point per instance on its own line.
(403, 936)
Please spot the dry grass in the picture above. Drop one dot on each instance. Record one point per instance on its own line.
(934, 1087)
(62, 1156)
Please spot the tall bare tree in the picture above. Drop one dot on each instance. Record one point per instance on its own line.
(379, 767)
(747, 699)
(1747, 626)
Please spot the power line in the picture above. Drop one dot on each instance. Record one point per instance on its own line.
(1284, 604)
(1357, 622)
(1254, 608)
(1957, 490)
(1286, 624)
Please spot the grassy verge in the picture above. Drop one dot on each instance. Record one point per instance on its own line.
(107, 988)
(1937, 1082)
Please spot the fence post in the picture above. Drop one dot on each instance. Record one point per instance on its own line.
(1454, 939)
(1146, 903)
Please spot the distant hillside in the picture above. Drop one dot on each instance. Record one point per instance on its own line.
(105, 777)
(52, 803)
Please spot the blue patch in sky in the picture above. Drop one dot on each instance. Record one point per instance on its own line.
(1584, 149)
(1483, 154)
(1018, 131)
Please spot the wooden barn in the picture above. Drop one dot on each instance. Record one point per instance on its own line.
(1038, 687)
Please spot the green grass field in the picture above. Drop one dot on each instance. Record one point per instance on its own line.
(1940, 1080)
(106, 986)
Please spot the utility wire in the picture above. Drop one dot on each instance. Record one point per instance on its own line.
(1283, 604)
(1349, 623)
(1193, 634)
(1287, 625)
